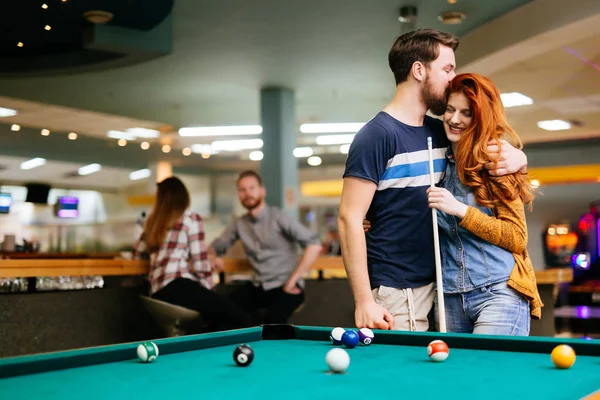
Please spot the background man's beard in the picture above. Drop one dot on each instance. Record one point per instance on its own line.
(436, 104)
(251, 204)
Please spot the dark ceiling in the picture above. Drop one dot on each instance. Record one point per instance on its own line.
(70, 41)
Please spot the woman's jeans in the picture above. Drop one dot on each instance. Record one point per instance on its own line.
(493, 310)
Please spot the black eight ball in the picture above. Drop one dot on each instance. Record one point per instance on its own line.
(243, 355)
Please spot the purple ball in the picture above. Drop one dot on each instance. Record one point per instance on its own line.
(365, 336)
(350, 339)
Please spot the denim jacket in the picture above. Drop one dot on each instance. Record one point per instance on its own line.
(468, 262)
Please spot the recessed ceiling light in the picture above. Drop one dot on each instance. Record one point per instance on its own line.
(203, 149)
(20, 44)
(239, 130)
(186, 151)
(554, 125)
(45, 6)
(7, 112)
(122, 142)
(140, 174)
(89, 169)
(334, 139)
(514, 99)
(72, 136)
(345, 148)
(206, 156)
(256, 155)
(33, 163)
(452, 17)
(535, 183)
(15, 128)
(120, 135)
(166, 148)
(144, 133)
(314, 161)
(45, 132)
(301, 152)
(345, 127)
(145, 145)
(47, 27)
(236, 145)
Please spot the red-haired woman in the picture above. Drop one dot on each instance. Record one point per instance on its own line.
(180, 273)
(489, 282)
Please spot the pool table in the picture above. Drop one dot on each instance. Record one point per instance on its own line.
(289, 363)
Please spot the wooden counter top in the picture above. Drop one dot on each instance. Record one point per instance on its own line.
(25, 268)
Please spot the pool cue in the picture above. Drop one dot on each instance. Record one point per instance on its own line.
(436, 242)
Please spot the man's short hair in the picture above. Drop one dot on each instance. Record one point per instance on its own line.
(421, 45)
(247, 173)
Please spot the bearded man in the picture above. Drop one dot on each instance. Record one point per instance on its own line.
(391, 269)
(270, 238)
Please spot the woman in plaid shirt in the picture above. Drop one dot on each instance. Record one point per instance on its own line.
(180, 273)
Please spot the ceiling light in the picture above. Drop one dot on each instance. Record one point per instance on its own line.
(515, 99)
(72, 136)
(45, 132)
(139, 174)
(256, 155)
(98, 16)
(535, 183)
(203, 149)
(122, 142)
(554, 125)
(345, 148)
(144, 133)
(206, 156)
(186, 151)
(314, 161)
(452, 17)
(334, 139)
(221, 130)
(47, 27)
(89, 169)
(120, 135)
(33, 163)
(166, 148)
(7, 112)
(236, 145)
(145, 145)
(20, 44)
(45, 6)
(300, 152)
(351, 127)
(15, 128)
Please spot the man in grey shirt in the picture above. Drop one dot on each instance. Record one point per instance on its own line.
(270, 238)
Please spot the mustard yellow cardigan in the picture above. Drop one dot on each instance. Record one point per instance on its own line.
(508, 230)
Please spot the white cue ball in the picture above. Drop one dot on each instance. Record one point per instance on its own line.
(337, 360)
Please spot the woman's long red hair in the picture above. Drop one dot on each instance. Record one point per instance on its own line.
(488, 123)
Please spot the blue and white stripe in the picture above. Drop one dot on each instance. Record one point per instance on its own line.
(412, 169)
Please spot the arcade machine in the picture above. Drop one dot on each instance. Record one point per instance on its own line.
(580, 302)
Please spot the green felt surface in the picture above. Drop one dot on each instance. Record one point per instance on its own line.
(296, 369)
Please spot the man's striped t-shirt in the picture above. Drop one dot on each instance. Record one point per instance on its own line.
(393, 155)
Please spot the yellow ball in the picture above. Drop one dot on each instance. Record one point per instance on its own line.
(563, 356)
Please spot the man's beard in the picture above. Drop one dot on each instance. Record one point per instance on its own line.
(251, 204)
(434, 102)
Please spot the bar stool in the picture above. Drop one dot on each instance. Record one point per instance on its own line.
(172, 318)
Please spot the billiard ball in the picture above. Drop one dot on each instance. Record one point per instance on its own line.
(437, 350)
(563, 356)
(350, 339)
(243, 355)
(336, 335)
(365, 336)
(147, 352)
(337, 360)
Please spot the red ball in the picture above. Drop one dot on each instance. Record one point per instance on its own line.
(438, 350)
